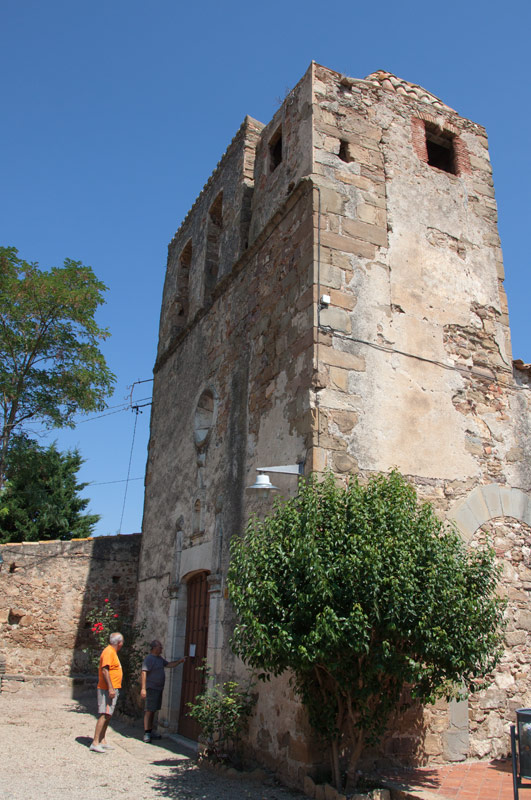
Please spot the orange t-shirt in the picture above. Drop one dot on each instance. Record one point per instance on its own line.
(109, 658)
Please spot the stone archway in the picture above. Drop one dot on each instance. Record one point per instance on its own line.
(485, 503)
(488, 502)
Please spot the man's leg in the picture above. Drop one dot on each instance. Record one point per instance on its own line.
(104, 729)
(101, 727)
(148, 722)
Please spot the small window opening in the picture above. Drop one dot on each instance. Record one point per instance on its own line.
(214, 229)
(440, 147)
(115, 578)
(275, 150)
(344, 153)
(12, 567)
(14, 618)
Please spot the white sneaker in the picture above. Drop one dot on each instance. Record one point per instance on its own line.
(97, 748)
(106, 746)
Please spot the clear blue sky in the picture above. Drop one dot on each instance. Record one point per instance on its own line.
(115, 113)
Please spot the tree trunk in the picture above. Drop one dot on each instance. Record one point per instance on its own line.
(7, 430)
(334, 761)
(357, 746)
(3, 458)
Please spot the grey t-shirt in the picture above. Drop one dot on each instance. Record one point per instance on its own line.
(154, 667)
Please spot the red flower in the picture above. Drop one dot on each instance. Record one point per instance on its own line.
(115, 616)
(106, 600)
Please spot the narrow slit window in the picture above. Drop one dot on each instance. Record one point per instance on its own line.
(213, 244)
(197, 516)
(275, 150)
(440, 147)
(183, 280)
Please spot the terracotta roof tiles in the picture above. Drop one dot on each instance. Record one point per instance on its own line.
(391, 83)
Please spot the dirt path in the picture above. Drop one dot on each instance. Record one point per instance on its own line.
(44, 755)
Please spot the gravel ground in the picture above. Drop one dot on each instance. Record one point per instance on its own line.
(44, 740)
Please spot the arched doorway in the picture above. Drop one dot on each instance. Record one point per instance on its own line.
(196, 640)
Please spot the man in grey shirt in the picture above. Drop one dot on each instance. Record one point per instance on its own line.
(153, 678)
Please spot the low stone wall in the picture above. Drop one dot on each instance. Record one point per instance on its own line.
(46, 591)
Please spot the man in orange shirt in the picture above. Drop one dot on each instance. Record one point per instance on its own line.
(109, 685)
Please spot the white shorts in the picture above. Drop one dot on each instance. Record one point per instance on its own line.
(105, 704)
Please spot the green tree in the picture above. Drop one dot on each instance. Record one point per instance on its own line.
(360, 592)
(50, 363)
(40, 499)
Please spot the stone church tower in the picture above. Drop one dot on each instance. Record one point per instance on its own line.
(335, 297)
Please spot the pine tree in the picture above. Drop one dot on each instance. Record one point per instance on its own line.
(40, 499)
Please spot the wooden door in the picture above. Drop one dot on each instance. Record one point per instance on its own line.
(196, 634)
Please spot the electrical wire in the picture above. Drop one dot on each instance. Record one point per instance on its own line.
(129, 469)
(463, 370)
(106, 483)
(125, 406)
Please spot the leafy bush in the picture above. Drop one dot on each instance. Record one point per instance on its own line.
(222, 711)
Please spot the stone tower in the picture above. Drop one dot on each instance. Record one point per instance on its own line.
(335, 297)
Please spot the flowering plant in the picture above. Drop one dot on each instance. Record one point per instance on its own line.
(105, 620)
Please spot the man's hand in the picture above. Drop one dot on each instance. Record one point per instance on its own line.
(143, 694)
(172, 664)
(112, 692)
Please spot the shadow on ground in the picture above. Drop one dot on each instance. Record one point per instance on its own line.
(187, 780)
(179, 776)
(501, 765)
(86, 741)
(425, 778)
(434, 778)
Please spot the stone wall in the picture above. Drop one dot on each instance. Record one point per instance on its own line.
(492, 711)
(46, 590)
(415, 363)
(222, 406)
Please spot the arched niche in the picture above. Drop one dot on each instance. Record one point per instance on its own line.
(484, 503)
(204, 419)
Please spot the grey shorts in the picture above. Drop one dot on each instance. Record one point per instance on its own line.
(105, 704)
(153, 699)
